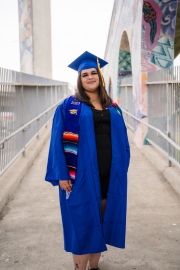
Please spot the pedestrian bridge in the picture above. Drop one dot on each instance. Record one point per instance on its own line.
(30, 223)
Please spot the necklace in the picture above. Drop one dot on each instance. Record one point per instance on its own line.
(94, 100)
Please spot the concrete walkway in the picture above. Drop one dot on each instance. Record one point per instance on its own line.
(31, 230)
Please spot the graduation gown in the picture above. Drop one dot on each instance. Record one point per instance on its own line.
(84, 231)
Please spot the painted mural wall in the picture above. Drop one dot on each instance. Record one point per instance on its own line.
(158, 30)
(26, 36)
(140, 40)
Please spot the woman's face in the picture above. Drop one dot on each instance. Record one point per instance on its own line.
(90, 79)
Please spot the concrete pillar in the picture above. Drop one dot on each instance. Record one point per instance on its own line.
(42, 38)
(26, 36)
(35, 37)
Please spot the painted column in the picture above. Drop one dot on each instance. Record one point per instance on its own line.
(35, 37)
(26, 36)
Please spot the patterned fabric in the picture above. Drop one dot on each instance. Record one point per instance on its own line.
(70, 142)
(71, 135)
(116, 107)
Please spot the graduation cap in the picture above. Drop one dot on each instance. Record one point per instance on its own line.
(88, 60)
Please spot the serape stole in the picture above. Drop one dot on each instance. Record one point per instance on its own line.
(71, 135)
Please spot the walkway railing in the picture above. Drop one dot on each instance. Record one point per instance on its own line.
(27, 103)
(163, 110)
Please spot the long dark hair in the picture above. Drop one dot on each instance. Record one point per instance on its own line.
(81, 94)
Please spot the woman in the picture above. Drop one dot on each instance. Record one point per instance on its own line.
(89, 158)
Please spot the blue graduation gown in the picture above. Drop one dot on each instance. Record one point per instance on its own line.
(84, 231)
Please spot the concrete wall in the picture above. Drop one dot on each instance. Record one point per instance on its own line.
(140, 40)
(35, 37)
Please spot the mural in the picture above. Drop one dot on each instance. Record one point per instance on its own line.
(124, 69)
(158, 29)
(149, 45)
(141, 130)
(124, 62)
(124, 65)
(25, 36)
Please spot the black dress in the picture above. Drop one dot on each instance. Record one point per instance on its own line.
(102, 128)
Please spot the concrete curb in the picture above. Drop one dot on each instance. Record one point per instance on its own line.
(10, 180)
(171, 174)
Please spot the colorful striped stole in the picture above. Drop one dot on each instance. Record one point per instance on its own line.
(71, 135)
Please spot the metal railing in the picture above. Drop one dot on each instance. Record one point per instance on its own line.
(159, 133)
(163, 111)
(27, 103)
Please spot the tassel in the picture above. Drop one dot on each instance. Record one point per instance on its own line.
(102, 78)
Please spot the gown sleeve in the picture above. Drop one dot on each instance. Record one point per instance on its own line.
(56, 164)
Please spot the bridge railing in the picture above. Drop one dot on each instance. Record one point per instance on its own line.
(27, 103)
(163, 93)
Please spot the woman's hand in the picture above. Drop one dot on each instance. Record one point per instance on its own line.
(66, 185)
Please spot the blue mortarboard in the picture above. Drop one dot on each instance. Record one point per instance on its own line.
(87, 60)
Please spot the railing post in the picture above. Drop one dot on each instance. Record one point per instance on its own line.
(22, 117)
(37, 98)
(168, 119)
(46, 103)
(51, 96)
(127, 103)
(56, 93)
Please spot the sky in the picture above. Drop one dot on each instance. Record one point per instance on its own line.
(76, 26)
(9, 35)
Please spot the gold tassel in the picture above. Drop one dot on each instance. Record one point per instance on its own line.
(102, 78)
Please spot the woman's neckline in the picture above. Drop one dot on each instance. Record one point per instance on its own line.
(100, 110)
